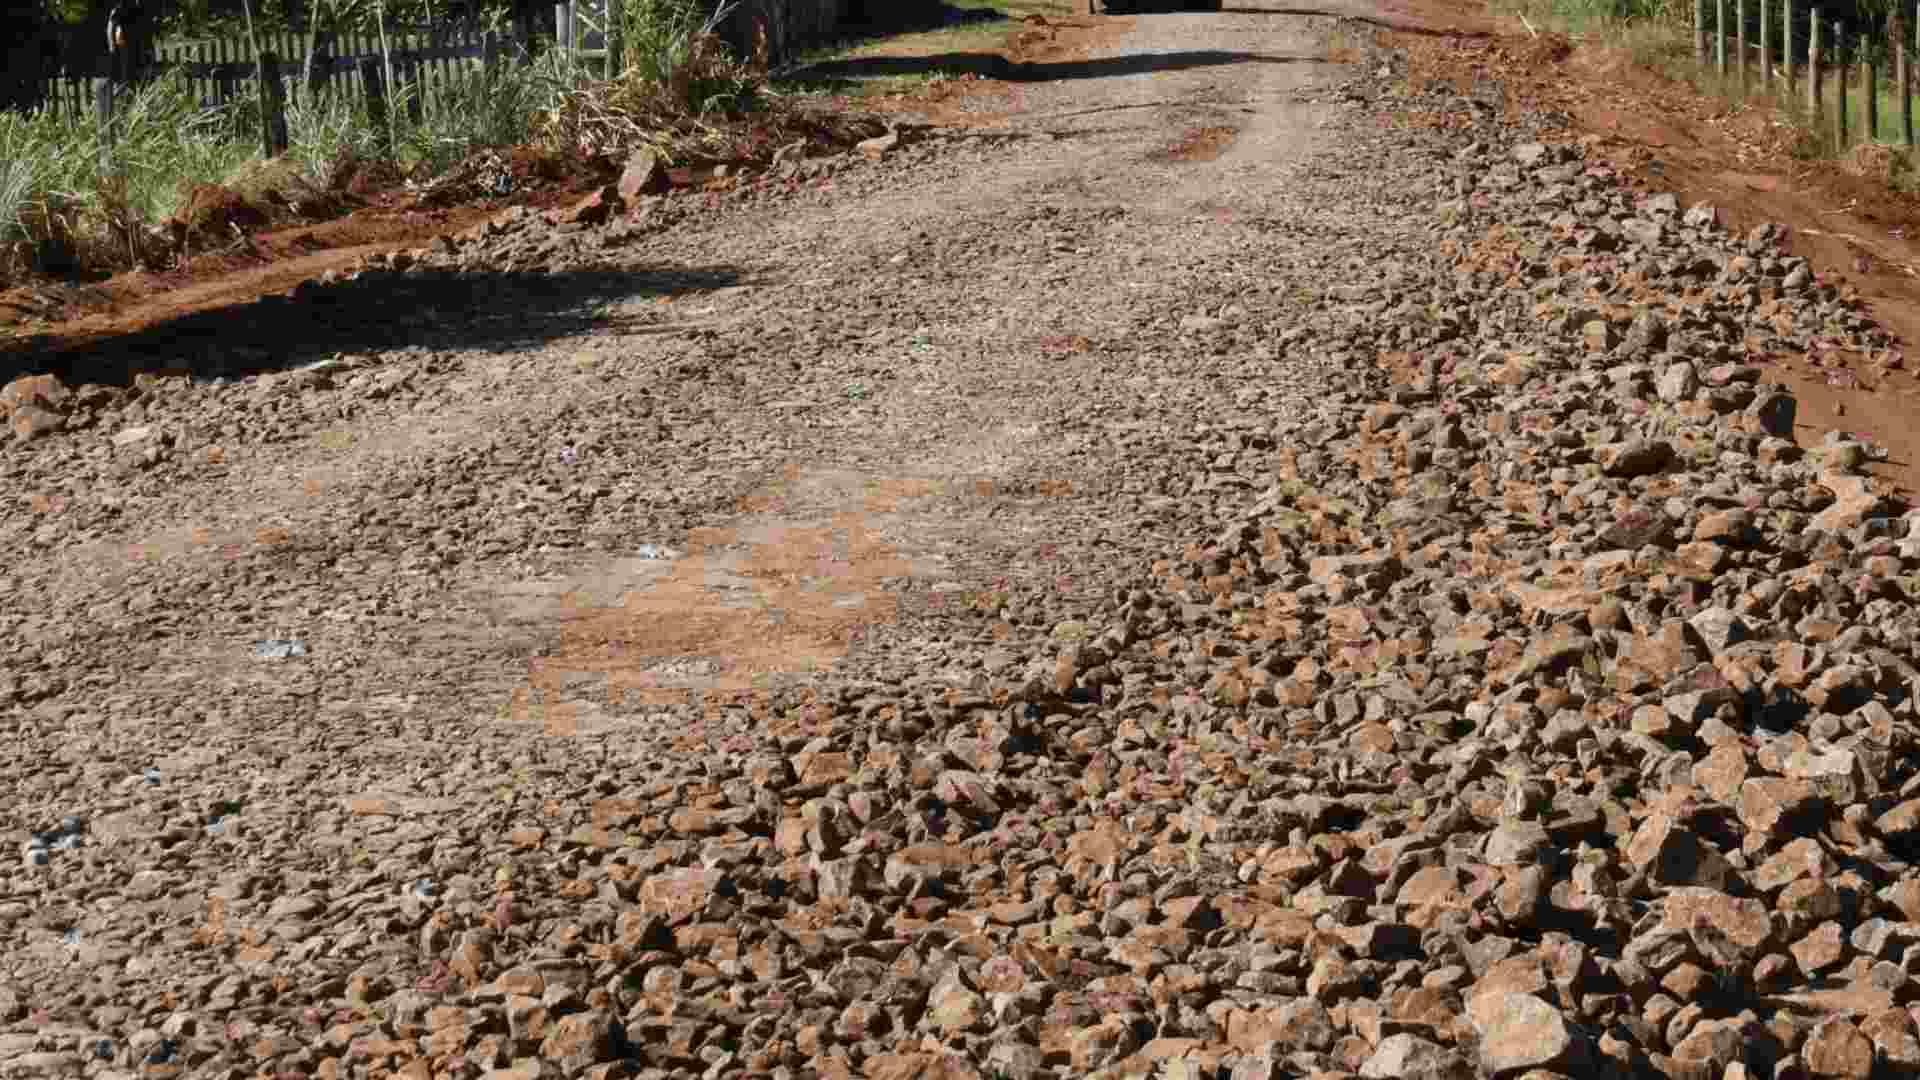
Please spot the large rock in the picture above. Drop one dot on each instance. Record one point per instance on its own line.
(645, 174)
(1519, 1032)
(1854, 500)
(1409, 1057)
(41, 391)
(1671, 853)
(678, 895)
(30, 422)
(1836, 1048)
(1746, 922)
(1634, 457)
(579, 1041)
(1678, 383)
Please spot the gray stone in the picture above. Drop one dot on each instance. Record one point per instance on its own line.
(1519, 1032)
(1635, 457)
(1679, 382)
(1409, 1057)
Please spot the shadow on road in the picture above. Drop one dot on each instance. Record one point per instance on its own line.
(863, 22)
(1371, 14)
(995, 66)
(440, 310)
(886, 17)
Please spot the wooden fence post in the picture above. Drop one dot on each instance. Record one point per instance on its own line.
(375, 88)
(1700, 32)
(1740, 40)
(616, 17)
(1766, 50)
(1903, 79)
(490, 56)
(416, 86)
(273, 117)
(563, 31)
(1840, 81)
(1871, 78)
(1786, 45)
(1813, 66)
(319, 74)
(1720, 35)
(103, 116)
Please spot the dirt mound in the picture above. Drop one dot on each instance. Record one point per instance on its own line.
(212, 214)
(1547, 50)
(365, 178)
(1870, 162)
(481, 176)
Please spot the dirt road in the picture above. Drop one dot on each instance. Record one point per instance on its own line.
(1075, 592)
(883, 401)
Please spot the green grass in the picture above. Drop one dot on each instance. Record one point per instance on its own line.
(1888, 100)
(65, 208)
(1818, 136)
(1655, 32)
(63, 204)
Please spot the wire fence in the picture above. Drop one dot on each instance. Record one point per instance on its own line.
(1857, 85)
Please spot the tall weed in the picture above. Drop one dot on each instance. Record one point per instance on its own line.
(65, 204)
(65, 207)
(670, 47)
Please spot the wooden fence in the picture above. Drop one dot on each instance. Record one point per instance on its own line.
(222, 71)
(218, 71)
(1860, 87)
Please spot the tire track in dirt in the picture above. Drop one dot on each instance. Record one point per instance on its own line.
(785, 590)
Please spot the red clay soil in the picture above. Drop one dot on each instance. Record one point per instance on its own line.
(239, 250)
(1855, 230)
(1198, 144)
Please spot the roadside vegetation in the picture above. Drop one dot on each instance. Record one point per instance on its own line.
(1659, 35)
(79, 201)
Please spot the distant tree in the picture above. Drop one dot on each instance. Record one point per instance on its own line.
(31, 54)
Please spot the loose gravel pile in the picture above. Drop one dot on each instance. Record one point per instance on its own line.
(1467, 674)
